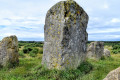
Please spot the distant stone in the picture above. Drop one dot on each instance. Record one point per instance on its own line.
(95, 50)
(9, 51)
(65, 36)
(106, 53)
(113, 75)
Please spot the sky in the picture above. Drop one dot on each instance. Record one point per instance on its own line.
(26, 19)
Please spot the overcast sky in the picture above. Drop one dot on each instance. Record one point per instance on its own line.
(26, 18)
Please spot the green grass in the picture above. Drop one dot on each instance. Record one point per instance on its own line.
(19, 72)
(30, 68)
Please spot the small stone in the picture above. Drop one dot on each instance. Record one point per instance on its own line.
(95, 50)
(113, 75)
(9, 51)
(106, 53)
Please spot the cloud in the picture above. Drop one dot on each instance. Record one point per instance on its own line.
(115, 20)
(26, 18)
(22, 32)
(104, 30)
(105, 37)
(105, 6)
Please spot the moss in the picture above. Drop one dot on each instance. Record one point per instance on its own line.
(68, 15)
(50, 28)
(74, 21)
(58, 32)
(67, 61)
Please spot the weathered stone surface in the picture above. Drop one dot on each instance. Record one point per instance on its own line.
(95, 50)
(65, 36)
(113, 75)
(106, 53)
(9, 51)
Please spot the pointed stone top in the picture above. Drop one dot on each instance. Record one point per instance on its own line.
(70, 0)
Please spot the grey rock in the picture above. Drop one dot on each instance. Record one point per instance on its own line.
(95, 50)
(106, 53)
(113, 75)
(9, 51)
(65, 36)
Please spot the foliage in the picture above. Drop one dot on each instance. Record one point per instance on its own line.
(27, 49)
(116, 49)
(31, 44)
(30, 68)
(41, 51)
(21, 54)
(34, 52)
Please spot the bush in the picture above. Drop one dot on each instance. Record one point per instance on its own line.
(32, 54)
(21, 54)
(41, 51)
(116, 49)
(39, 45)
(27, 50)
(35, 50)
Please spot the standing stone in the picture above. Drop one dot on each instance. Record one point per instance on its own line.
(113, 75)
(106, 53)
(65, 36)
(95, 50)
(9, 51)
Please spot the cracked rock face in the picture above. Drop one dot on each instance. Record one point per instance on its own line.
(95, 50)
(9, 51)
(65, 36)
(113, 75)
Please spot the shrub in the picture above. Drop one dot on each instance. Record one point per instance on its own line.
(32, 54)
(21, 54)
(116, 49)
(27, 49)
(41, 51)
(35, 50)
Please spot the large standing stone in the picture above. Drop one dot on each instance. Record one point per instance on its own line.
(95, 50)
(9, 51)
(65, 36)
(113, 75)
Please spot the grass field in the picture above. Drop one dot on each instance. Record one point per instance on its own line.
(30, 68)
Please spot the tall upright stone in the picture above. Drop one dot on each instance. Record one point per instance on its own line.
(9, 51)
(65, 36)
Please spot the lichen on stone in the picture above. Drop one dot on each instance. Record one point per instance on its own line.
(9, 51)
(65, 42)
